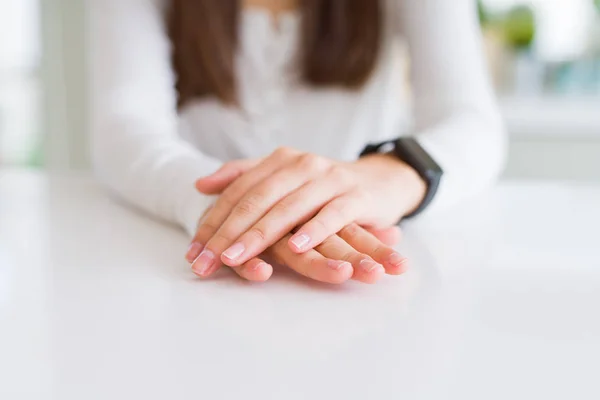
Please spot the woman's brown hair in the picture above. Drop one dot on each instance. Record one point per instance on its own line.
(339, 44)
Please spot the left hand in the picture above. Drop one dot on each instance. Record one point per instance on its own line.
(292, 189)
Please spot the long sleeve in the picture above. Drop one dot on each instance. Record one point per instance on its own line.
(456, 118)
(136, 149)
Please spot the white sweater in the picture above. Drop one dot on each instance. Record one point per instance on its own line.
(151, 155)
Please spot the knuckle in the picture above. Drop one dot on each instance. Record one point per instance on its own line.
(318, 224)
(308, 158)
(284, 152)
(244, 208)
(205, 230)
(313, 162)
(258, 232)
(341, 175)
(226, 199)
(378, 251)
(349, 256)
(250, 205)
(267, 188)
(281, 208)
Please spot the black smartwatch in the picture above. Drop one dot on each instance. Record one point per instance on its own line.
(410, 151)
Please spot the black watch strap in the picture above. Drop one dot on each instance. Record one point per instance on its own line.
(410, 151)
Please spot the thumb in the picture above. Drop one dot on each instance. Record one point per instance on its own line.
(389, 236)
(224, 176)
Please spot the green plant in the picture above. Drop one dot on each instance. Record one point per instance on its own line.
(484, 16)
(520, 27)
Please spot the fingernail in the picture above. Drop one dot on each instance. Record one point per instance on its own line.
(193, 252)
(234, 251)
(204, 262)
(368, 265)
(396, 260)
(337, 265)
(300, 241)
(259, 266)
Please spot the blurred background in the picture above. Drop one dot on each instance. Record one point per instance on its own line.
(544, 56)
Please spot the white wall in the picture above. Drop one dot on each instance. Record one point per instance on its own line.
(19, 60)
(575, 159)
(19, 23)
(554, 137)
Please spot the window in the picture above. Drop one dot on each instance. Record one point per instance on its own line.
(564, 56)
(19, 90)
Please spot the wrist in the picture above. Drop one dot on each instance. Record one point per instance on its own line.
(401, 181)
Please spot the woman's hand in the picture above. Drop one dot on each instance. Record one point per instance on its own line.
(353, 253)
(290, 189)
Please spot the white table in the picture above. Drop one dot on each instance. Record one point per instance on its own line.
(502, 302)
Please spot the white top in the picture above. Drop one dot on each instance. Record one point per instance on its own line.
(151, 155)
(501, 302)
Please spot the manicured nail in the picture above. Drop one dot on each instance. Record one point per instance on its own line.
(260, 265)
(337, 265)
(396, 260)
(235, 251)
(300, 241)
(204, 262)
(369, 265)
(193, 251)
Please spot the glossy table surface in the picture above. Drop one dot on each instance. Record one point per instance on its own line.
(502, 302)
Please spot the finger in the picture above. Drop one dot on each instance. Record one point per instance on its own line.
(258, 232)
(224, 176)
(255, 270)
(205, 264)
(266, 212)
(312, 264)
(332, 218)
(193, 252)
(393, 262)
(291, 211)
(234, 192)
(196, 246)
(389, 236)
(230, 198)
(365, 269)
